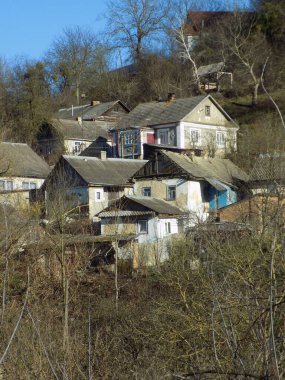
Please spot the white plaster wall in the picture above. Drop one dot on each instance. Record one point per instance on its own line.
(18, 181)
(69, 145)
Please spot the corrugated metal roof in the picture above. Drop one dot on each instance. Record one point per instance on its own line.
(110, 214)
(199, 167)
(87, 111)
(87, 130)
(269, 167)
(110, 172)
(19, 160)
(157, 205)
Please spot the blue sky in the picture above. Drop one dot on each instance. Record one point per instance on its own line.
(28, 27)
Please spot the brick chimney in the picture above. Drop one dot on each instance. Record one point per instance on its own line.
(95, 102)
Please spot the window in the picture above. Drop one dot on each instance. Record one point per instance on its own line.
(168, 228)
(6, 185)
(163, 137)
(221, 139)
(207, 110)
(128, 138)
(171, 193)
(146, 191)
(77, 146)
(142, 226)
(27, 185)
(195, 136)
(99, 194)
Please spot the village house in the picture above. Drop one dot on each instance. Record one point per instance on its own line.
(149, 221)
(89, 182)
(197, 185)
(268, 174)
(108, 111)
(21, 170)
(188, 123)
(74, 129)
(71, 136)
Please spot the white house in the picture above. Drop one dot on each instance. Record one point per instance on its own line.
(187, 123)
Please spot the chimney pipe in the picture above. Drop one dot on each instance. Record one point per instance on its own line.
(103, 155)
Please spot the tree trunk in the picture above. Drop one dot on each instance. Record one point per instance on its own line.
(255, 94)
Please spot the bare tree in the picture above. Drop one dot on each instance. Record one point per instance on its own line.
(72, 58)
(135, 24)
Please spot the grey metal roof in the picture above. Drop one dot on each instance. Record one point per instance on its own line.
(109, 172)
(87, 130)
(208, 168)
(19, 160)
(157, 205)
(87, 111)
(210, 69)
(160, 112)
(269, 167)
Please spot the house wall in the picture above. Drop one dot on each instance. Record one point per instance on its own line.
(18, 181)
(157, 228)
(198, 115)
(70, 146)
(107, 195)
(189, 194)
(17, 198)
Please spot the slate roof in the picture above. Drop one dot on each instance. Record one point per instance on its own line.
(109, 172)
(87, 130)
(145, 206)
(209, 169)
(269, 167)
(19, 160)
(157, 205)
(87, 111)
(155, 113)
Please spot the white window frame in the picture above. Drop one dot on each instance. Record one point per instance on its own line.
(8, 185)
(167, 228)
(29, 185)
(140, 223)
(128, 138)
(101, 195)
(163, 133)
(77, 146)
(221, 139)
(198, 134)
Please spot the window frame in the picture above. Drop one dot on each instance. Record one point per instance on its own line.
(146, 189)
(77, 146)
(171, 192)
(207, 110)
(5, 183)
(167, 228)
(29, 185)
(139, 225)
(198, 140)
(221, 144)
